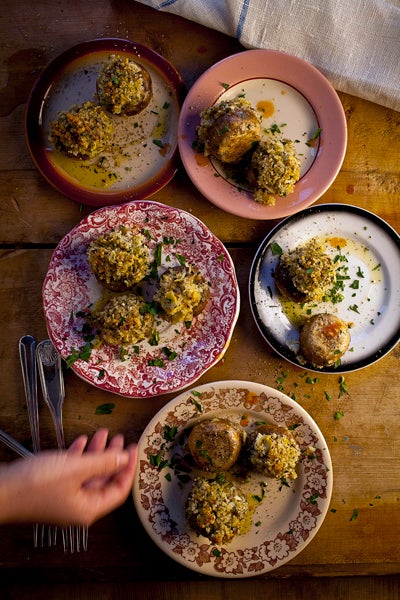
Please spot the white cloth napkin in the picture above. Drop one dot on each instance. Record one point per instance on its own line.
(355, 43)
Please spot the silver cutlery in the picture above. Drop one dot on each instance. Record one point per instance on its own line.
(27, 354)
(12, 443)
(52, 382)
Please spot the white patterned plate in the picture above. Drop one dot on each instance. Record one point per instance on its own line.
(70, 287)
(283, 523)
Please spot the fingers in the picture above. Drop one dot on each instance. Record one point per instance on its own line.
(117, 441)
(98, 441)
(124, 478)
(78, 445)
(99, 466)
(114, 490)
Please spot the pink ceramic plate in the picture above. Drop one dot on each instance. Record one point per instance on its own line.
(144, 156)
(70, 287)
(290, 94)
(286, 519)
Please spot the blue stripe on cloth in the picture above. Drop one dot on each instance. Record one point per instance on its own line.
(166, 3)
(242, 18)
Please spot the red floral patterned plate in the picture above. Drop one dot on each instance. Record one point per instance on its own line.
(286, 519)
(144, 370)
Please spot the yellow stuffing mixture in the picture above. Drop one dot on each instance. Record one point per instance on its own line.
(82, 132)
(119, 259)
(274, 169)
(123, 321)
(310, 270)
(182, 293)
(216, 509)
(274, 454)
(123, 86)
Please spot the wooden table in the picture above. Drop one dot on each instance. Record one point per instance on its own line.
(347, 556)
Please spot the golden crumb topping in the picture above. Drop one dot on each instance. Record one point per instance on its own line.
(119, 258)
(123, 86)
(274, 169)
(310, 269)
(216, 509)
(81, 132)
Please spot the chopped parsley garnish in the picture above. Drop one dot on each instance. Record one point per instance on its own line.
(315, 136)
(154, 338)
(354, 307)
(105, 409)
(156, 460)
(276, 249)
(156, 362)
(313, 498)
(181, 259)
(342, 387)
(82, 354)
(360, 273)
(170, 354)
(170, 433)
(354, 515)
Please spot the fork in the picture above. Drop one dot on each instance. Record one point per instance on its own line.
(27, 350)
(12, 443)
(52, 381)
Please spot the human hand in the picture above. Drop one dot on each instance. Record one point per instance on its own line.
(68, 487)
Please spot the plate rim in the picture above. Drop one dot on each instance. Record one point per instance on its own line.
(228, 334)
(33, 115)
(281, 349)
(234, 384)
(257, 210)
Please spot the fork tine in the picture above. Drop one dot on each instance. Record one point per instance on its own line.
(85, 536)
(71, 531)
(78, 538)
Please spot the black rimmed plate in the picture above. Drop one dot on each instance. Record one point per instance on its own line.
(144, 156)
(370, 254)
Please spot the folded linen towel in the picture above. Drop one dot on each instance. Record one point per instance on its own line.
(355, 44)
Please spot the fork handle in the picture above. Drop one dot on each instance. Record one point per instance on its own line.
(27, 354)
(12, 443)
(52, 381)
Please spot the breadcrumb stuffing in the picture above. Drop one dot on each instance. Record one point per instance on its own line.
(274, 169)
(84, 131)
(123, 321)
(311, 270)
(182, 292)
(216, 509)
(119, 258)
(123, 86)
(274, 454)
